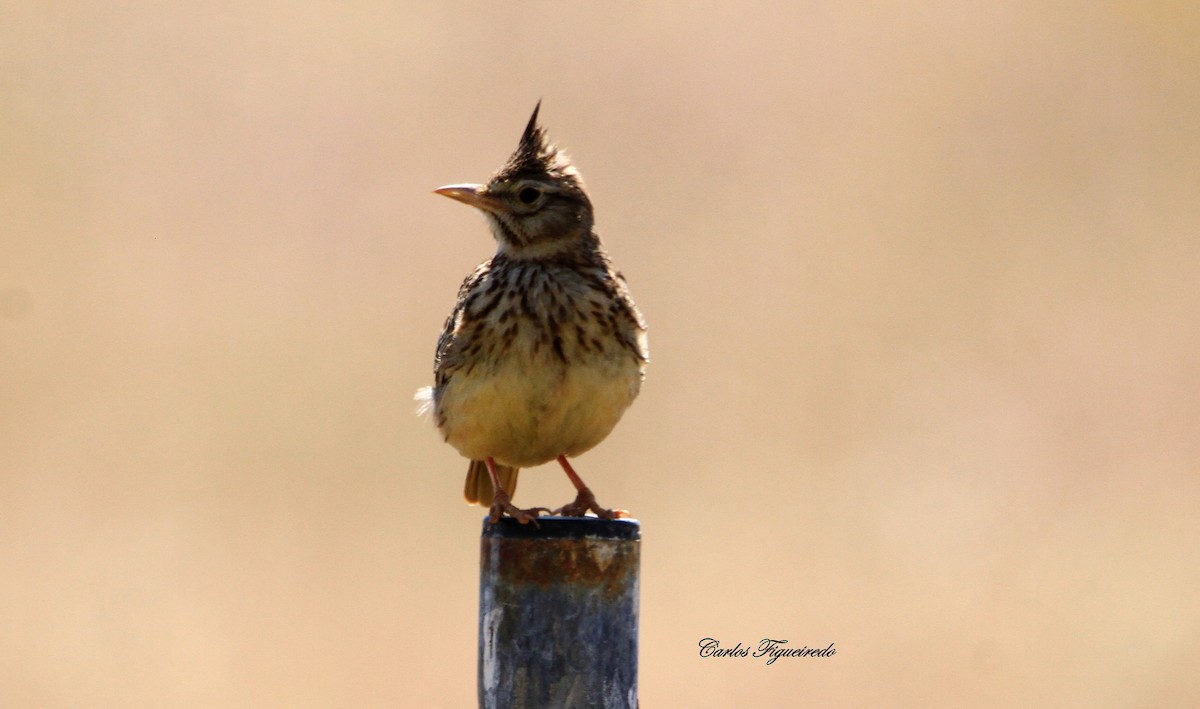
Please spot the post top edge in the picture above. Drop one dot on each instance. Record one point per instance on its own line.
(564, 528)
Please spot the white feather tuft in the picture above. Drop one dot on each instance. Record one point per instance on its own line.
(424, 399)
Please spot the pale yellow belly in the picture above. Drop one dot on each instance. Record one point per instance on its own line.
(527, 413)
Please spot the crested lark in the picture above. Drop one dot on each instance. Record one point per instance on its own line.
(544, 349)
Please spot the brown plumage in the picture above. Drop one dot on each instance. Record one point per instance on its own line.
(544, 349)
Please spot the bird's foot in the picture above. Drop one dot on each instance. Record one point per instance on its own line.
(585, 502)
(502, 505)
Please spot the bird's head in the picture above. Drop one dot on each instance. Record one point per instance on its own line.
(535, 204)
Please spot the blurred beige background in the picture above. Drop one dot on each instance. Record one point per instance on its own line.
(922, 288)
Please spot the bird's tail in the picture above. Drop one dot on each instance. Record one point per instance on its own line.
(478, 489)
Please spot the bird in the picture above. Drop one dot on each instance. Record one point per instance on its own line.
(544, 349)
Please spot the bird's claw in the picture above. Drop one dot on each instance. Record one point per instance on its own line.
(502, 505)
(585, 502)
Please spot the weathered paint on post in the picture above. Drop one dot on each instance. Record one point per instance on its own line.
(558, 613)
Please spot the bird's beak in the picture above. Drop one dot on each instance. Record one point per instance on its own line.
(474, 195)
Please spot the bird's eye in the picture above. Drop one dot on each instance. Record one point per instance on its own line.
(529, 195)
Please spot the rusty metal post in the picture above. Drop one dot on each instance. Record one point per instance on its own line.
(558, 613)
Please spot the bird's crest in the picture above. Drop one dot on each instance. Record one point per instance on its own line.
(537, 157)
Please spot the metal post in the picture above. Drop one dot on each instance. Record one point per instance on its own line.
(558, 613)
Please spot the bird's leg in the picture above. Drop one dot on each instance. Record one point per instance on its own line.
(585, 501)
(502, 503)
